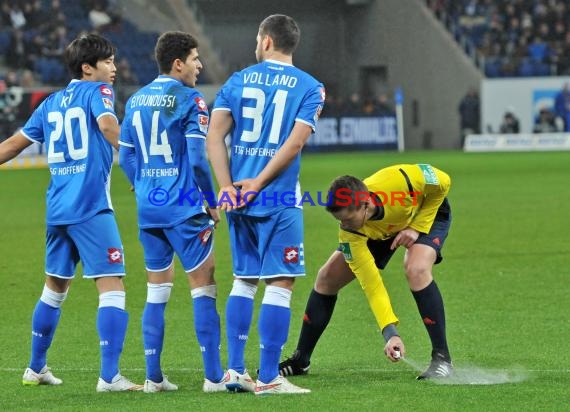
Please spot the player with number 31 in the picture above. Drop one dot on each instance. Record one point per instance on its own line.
(271, 110)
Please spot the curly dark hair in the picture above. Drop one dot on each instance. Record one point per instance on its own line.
(173, 45)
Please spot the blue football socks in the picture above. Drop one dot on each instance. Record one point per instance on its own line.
(207, 327)
(153, 338)
(112, 322)
(44, 323)
(273, 326)
(239, 312)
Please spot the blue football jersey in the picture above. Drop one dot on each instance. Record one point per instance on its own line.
(78, 155)
(159, 119)
(265, 101)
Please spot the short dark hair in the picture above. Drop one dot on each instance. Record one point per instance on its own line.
(173, 45)
(283, 30)
(90, 49)
(344, 192)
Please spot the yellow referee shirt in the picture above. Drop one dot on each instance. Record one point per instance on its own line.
(411, 195)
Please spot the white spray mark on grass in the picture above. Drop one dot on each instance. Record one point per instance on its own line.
(473, 375)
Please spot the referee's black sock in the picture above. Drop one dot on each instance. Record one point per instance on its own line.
(430, 306)
(317, 315)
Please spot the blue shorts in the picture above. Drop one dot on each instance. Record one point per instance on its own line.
(96, 242)
(380, 249)
(191, 240)
(269, 246)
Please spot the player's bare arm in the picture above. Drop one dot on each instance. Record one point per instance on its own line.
(11, 147)
(282, 159)
(110, 129)
(214, 214)
(221, 123)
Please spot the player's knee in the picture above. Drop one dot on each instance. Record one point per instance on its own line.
(323, 275)
(209, 270)
(417, 272)
(210, 266)
(326, 282)
(204, 274)
(200, 278)
(109, 284)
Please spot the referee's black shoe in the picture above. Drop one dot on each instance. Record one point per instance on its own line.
(294, 366)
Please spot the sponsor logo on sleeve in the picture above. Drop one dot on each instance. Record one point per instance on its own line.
(106, 91)
(201, 104)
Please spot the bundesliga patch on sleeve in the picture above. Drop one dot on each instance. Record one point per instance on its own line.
(203, 123)
(429, 174)
(108, 103)
(318, 113)
(345, 249)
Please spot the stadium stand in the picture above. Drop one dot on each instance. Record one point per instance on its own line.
(353, 46)
(29, 41)
(510, 38)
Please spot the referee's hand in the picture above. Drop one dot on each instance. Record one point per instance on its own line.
(394, 349)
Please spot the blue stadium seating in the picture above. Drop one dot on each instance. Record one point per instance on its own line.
(493, 67)
(542, 69)
(526, 68)
(136, 46)
(5, 38)
(472, 22)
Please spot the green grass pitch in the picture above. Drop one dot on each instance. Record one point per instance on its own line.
(504, 281)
